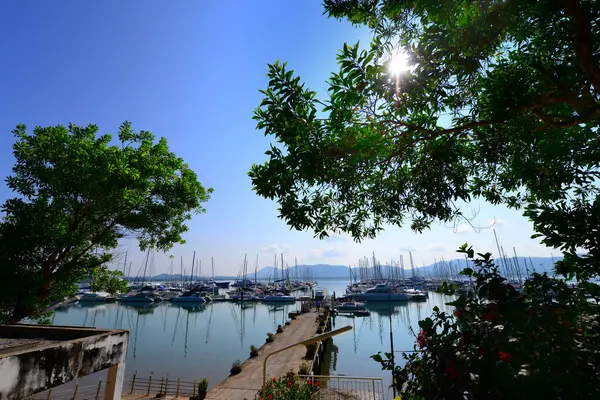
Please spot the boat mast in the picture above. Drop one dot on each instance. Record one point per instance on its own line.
(192, 273)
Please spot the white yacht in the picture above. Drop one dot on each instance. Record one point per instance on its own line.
(189, 297)
(279, 298)
(138, 298)
(94, 297)
(381, 292)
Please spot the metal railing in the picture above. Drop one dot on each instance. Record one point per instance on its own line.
(347, 387)
(69, 391)
(153, 385)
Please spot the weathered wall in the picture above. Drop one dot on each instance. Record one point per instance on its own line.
(24, 372)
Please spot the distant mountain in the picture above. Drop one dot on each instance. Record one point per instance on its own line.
(507, 266)
(306, 272)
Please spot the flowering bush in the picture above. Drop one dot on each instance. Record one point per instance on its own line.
(290, 387)
(500, 343)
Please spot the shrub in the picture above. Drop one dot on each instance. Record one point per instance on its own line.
(279, 329)
(253, 351)
(287, 323)
(499, 343)
(203, 386)
(304, 369)
(236, 367)
(290, 387)
(310, 350)
(319, 330)
(270, 337)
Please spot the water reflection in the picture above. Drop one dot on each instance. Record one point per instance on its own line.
(191, 341)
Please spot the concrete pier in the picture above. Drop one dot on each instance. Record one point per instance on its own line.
(246, 384)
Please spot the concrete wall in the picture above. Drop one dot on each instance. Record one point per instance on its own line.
(24, 372)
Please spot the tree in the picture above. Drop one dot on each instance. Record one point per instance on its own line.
(499, 101)
(77, 195)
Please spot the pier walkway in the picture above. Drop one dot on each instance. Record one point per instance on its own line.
(246, 384)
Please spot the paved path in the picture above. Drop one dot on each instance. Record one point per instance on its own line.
(246, 384)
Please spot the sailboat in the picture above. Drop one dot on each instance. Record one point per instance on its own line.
(139, 297)
(242, 293)
(190, 296)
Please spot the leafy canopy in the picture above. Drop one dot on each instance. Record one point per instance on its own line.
(500, 103)
(499, 343)
(77, 195)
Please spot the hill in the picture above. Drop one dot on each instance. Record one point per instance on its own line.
(321, 271)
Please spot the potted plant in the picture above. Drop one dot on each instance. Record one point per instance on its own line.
(236, 367)
(270, 337)
(304, 369)
(253, 351)
(293, 316)
(287, 323)
(310, 350)
(279, 329)
(319, 330)
(202, 390)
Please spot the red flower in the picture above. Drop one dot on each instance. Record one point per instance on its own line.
(451, 370)
(270, 396)
(274, 379)
(505, 357)
(481, 351)
(315, 384)
(489, 316)
(421, 341)
(457, 313)
(289, 383)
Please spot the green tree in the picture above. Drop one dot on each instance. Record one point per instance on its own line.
(77, 195)
(500, 102)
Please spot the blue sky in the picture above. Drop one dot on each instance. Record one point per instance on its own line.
(190, 71)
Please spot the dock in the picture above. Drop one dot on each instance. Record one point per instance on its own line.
(246, 384)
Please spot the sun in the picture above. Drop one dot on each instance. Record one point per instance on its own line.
(398, 62)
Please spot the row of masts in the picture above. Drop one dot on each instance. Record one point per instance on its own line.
(370, 269)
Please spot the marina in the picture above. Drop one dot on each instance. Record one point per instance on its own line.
(191, 341)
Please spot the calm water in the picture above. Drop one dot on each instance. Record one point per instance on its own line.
(194, 342)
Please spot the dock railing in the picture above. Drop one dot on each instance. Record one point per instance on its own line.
(153, 385)
(347, 387)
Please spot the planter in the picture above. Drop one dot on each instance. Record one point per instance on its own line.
(199, 396)
(253, 354)
(235, 370)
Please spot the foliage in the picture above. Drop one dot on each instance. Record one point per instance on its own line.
(101, 278)
(542, 342)
(270, 337)
(236, 367)
(253, 351)
(500, 102)
(203, 386)
(76, 196)
(289, 387)
(311, 348)
(304, 369)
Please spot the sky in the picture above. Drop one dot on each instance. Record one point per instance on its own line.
(190, 71)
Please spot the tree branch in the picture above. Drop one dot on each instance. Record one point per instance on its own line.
(582, 42)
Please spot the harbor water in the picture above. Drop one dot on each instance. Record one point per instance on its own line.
(192, 342)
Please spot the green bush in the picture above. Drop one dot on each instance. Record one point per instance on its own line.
(236, 367)
(203, 386)
(290, 387)
(500, 343)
